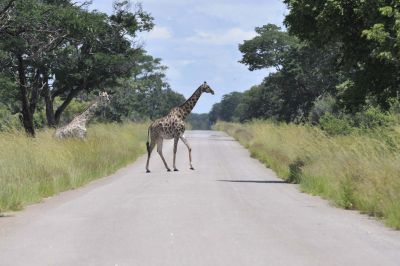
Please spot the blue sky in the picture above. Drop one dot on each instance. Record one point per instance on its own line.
(198, 41)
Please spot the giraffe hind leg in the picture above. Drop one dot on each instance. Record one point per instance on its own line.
(159, 150)
(150, 148)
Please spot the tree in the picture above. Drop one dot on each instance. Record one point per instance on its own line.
(99, 54)
(304, 72)
(214, 114)
(366, 34)
(55, 48)
(229, 103)
(199, 121)
(267, 49)
(144, 95)
(29, 32)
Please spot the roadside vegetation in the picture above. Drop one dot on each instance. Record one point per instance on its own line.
(34, 168)
(55, 57)
(359, 170)
(327, 113)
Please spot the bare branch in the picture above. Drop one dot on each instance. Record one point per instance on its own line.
(7, 7)
(5, 17)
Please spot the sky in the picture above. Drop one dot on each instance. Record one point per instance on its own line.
(198, 41)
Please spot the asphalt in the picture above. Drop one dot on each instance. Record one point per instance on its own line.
(231, 210)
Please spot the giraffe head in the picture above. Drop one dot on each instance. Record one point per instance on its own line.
(205, 88)
(104, 98)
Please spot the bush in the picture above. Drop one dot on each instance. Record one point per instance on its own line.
(322, 106)
(8, 121)
(334, 126)
(373, 118)
(295, 171)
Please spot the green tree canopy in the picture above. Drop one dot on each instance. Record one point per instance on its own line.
(367, 36)
(267, 49)
(58, 49)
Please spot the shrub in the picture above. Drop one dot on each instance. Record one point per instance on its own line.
(322, 106)
(373, 118)
(8, 121)
(295, 171)
(334, 126)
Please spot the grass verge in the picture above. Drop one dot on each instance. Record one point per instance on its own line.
(31, 169)
(358, 171)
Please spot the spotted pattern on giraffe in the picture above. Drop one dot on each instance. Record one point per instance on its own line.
(172, 126)
(77, 127)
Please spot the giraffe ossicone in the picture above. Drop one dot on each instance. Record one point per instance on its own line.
(77, 127)
(172, 126)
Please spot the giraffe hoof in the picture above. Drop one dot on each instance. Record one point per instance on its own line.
(147, 171)
(168, 170)
(176, 170)
(191, 168)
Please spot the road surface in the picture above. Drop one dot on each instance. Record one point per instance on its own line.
(230, 211)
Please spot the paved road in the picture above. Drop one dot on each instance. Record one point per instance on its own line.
(230, 211)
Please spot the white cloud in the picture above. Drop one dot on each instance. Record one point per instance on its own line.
(232, 36)
(159, 32)
(249, 13)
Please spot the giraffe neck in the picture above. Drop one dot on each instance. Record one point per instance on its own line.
(188, 106)
(88, 113)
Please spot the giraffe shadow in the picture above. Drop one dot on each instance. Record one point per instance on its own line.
(256, 181)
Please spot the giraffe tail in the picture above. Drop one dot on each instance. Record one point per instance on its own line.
(147, 143)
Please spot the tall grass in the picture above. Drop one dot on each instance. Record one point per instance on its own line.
(33, 168)
(359, 171)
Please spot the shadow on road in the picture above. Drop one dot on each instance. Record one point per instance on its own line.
(4, 215)
(256, 181)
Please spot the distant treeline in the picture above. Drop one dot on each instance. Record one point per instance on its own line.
(55, 55)
(338, 62)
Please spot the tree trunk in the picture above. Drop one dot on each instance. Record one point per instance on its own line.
(51, 120)
(64, 105)
(27, 114)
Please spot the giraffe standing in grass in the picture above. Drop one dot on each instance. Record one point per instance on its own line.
(172, 126)
(77, 127)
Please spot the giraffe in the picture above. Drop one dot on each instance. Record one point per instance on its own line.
(77, 127)
(173, 126)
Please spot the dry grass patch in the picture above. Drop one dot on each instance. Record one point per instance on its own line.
(31, 169)
(358, 171)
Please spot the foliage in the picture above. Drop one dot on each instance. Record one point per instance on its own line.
(357, 171)
(145, 95)
(8, 122)
(267, 49)
(334, 126)
(325, 104)
(31, 169)
(57, 49)
(198, 121)
(304, 74)
(373, 118)
(367, 38)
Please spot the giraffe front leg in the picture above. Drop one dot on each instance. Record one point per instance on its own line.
(150, 147)
(175, 149)
(189, 149)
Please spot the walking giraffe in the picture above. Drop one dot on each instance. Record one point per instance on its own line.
(173, 126)
(77, 127)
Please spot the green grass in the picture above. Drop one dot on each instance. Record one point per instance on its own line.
(33, 168)
(358, 171)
